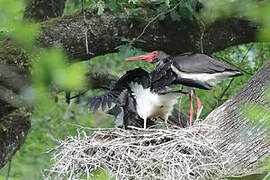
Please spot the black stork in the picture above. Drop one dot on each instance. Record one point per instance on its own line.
(138, 95)
(190, 69)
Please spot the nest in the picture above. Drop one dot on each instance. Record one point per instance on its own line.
(138, 154)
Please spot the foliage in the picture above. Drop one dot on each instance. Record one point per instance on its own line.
(256, 11)
(176, 9)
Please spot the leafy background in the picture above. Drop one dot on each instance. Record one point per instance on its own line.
(54, 119)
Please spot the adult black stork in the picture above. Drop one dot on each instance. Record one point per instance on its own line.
(139, 96)
(190, 69)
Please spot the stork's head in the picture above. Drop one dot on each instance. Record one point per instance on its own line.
(155, 57)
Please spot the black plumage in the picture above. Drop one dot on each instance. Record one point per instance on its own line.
(121, 93)
(131, 117)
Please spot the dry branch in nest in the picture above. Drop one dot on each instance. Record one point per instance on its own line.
(139, 154)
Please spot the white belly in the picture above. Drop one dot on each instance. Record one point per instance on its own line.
(152, 105)
(211, 79)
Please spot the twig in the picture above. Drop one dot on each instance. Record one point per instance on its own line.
(244, 57)
(9, 167)
(235, 65)
(226, 89)
(148, 24)
(82, 1)
(79, 94)
(86, 41)
(267, 176)
(92, 129)
(202, 35)
(68, 96)
(86, 31)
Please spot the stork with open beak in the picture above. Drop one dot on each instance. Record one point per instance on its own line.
(138, 94)
(190, 69)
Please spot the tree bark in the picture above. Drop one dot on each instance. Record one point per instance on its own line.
(14, 115)
(14, 77)
(84, 38)
(14, 127)
(41, 10)
(246, 143)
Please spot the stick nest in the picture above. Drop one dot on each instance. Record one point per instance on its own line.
(138, 154)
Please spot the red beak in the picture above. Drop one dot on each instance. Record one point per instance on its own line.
(147, 57)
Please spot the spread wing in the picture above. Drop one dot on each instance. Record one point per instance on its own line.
(105, 100)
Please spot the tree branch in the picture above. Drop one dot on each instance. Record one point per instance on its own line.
(104, 34)
(100, 80)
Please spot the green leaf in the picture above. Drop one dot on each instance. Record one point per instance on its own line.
(25, 33)
(10, 11)
(74, 78)
(125, 51)
(175, 16)
(161, 11)
(133, 1)
(167, 2)
(100, 6)
(3, 34)
(123, 39)
(264, 33)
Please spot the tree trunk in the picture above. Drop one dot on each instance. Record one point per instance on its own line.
(246, 143)
(14, 119)
(14, 113)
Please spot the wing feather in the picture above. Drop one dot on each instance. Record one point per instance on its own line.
(200, 63)
(102, 100)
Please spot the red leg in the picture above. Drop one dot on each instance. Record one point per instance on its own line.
(191, 109)
(199, 105)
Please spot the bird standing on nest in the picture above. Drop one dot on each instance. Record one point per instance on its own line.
(189, 69)
(140, 97)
